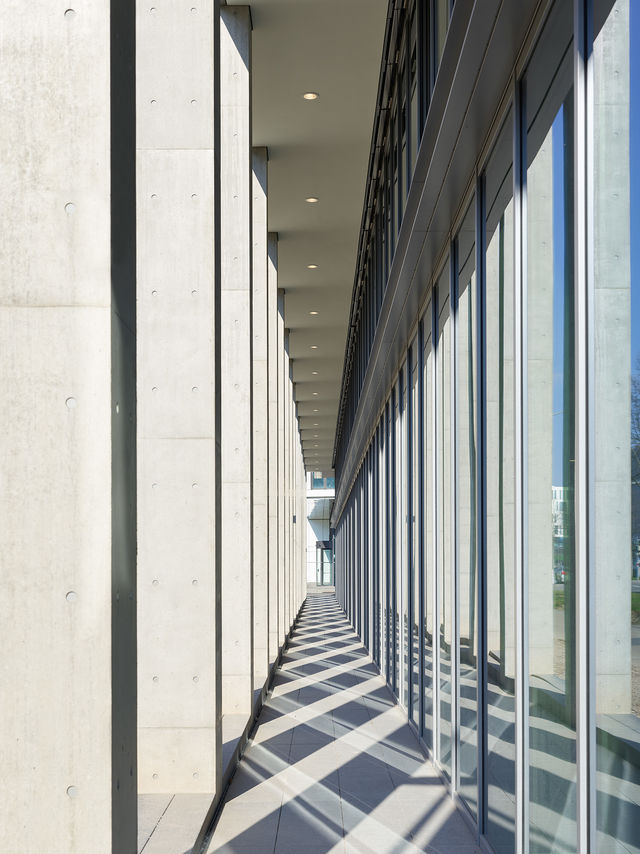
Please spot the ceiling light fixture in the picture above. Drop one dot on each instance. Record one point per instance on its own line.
(312, 200)
(316, 410)
(315, 394)
(315, 373)
(314, 347)
(312, 266)
(313, 312)
(311, 96)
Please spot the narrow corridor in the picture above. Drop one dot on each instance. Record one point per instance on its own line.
(333, 767)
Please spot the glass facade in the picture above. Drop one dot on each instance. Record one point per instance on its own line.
(320, 481)
(466, 522)
(444, 599)
(427, 474)
(500, 653)
(506, 585)
(414, 538)
(422, 27)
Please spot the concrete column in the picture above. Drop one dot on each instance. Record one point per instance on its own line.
(287, 485)
(301, 515)
(500, 446)
(465, 487)
(429, 563)
(282, 524)
(274, 565)
(260, 405)
(236, 391)
(294, 508)
(613, 495)
(540, 382)
(443, 446)
(178, 586)
(302, 528)
(67, 375)
(303, 509)
(294, 517)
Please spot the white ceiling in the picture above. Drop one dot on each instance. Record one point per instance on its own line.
(316, 148)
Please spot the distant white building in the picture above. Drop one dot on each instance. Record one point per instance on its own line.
(321, 490)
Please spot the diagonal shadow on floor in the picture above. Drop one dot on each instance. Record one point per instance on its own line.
(333, 767)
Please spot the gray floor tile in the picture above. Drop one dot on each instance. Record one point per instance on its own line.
(333, 766)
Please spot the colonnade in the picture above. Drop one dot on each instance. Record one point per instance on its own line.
(153, 492)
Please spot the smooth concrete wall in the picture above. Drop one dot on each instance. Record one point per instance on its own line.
(260, 414)
(288, 490)
(613, 354)
(501, 447)
(540, 409)
(282, 526)
(236, 390)
(466, 439)
(178, 614)
(273, 439)
(67, 689)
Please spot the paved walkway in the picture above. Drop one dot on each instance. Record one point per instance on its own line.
(333, 767)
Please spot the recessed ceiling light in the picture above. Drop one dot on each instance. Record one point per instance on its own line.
(315, 446)
(316, 410)
(315, 435)
(312, 266)
(316, 425)
(315, 373)
(315, 394)
(314, 347)
(311, 96)
(313, 312)
(312, 200)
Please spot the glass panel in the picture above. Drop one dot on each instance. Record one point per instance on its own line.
(327, 566)
(377, 544)
(393, 189)
(402, 97)
(386, 223)
(415, 563)
(550, 442)
(373, 451)
(414, 130)
(365, 563)
(401, 542)
(357, 561)
(394, 535)
(404, 536)
(443, 444)
(466, 508)
(440, 27)
(379, 238)
(428, 411)
(617, 427)
(384, 538)
(500, 437)
(362, 557)
(390, 534)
